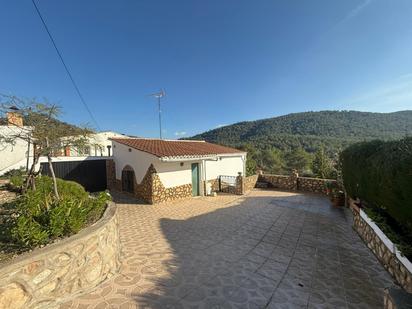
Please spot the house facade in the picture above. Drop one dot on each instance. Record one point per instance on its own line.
(98, 144)
(161, 170)
(19, 153)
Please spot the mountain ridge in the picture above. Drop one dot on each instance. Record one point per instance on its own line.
(310, 130)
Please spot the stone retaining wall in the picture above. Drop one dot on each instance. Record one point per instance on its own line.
(55, 273)
(279, 181)
(296, 183)
(396, 298)
(316, 185)
(386, 255)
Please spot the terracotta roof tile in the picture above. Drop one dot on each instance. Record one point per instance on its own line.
(174, 148)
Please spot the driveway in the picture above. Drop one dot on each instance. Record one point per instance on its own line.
(268, 249)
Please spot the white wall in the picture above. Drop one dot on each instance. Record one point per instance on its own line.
(98, 143)
(228, 166)
(138, 160)
(12, 155)
(172, 174)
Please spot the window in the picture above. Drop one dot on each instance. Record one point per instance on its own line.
(84, 151)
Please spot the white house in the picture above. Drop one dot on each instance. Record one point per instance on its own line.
(98, 144)
(158, 170)
(19, 153)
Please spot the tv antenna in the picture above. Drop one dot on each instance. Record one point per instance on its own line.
(158, 96)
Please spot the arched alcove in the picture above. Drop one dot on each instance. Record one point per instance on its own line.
(128, 179)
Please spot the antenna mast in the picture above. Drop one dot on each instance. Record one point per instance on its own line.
(158, 96)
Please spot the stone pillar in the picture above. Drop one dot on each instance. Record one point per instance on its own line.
(110, 175)
(240, 185)
(294, 180)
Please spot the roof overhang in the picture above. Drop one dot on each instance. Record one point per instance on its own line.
(213, 157)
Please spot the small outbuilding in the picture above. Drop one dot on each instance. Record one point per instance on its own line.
(162, 170)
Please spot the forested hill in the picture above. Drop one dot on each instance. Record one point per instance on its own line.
(310, 130)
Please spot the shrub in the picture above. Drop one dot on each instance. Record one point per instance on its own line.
(13, 172)
(17, 181)
(379, 173)
(41, 217)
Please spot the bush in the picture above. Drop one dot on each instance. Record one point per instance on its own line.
(379, 173)
(17, 181)
(13, 172)
(41, 217)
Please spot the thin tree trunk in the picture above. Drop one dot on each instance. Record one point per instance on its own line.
(56, 192)
(30, 182)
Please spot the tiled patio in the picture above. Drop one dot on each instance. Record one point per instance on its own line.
(265, 250)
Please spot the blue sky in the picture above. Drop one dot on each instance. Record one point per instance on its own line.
(220, 61)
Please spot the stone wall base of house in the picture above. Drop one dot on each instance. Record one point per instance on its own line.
(57, 272)
(162, 194)
(387, 258)
(150, 189)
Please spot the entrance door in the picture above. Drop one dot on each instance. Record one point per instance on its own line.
(128, 181)
(195, 179)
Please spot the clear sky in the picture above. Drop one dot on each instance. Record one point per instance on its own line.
(220, 61)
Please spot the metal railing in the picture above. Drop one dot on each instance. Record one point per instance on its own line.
(227, 183)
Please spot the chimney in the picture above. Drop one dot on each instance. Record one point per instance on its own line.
(14, 119)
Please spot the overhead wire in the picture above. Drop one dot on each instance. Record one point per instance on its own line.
(65, 66)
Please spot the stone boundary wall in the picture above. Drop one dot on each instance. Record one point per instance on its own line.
(296, 183)
(279, 181)
(57, 272)
(317, 185)
(382, 247)
(249, 183)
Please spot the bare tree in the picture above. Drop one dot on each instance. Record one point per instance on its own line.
(43, 130)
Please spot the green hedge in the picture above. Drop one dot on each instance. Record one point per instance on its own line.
(380, 174)
(40, 217)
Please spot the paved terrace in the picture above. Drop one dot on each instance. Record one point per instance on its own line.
(265, 250)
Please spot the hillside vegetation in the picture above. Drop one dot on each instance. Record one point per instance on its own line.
(305, 134)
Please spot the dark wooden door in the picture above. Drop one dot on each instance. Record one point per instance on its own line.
(128, 181)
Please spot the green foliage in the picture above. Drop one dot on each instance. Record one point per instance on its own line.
(312, 129)
(41, 217)
(272, 161)
(332, 130)
(321, 164)
(379, 173)
(401, 237)
(17, 181)
(298, 159)
(251, 165)
(13, 172)
(29, 232)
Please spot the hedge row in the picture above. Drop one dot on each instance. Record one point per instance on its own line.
(380, 174)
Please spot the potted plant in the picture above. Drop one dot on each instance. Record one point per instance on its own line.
(336, 195)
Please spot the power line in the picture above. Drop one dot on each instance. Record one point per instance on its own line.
(65, 66)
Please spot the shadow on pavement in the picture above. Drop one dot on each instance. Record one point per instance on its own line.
(291, 251)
